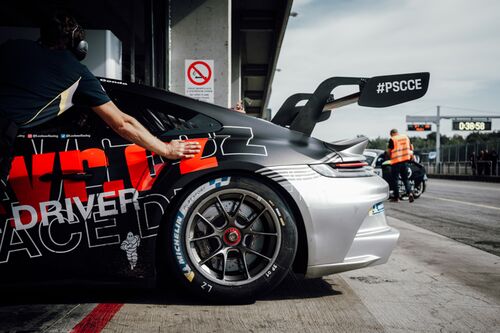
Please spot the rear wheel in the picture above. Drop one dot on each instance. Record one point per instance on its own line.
(419, 189)
(231, 239)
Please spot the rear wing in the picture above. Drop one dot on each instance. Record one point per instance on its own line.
(378, 91)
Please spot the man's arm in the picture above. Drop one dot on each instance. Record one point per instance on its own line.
(130, 129)
(390, 146)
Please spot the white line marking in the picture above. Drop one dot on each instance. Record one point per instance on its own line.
(463, 202)
(443, 185)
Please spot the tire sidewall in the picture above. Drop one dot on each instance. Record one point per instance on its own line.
(419, 189)
(188, 274)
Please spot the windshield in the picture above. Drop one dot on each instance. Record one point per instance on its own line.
(369, 159)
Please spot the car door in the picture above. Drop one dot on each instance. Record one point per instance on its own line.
(48, 189)
(83, 199)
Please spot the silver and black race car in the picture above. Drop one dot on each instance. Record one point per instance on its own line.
(261, 199)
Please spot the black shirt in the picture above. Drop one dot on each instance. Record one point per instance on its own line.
(390, 145)
(37, 83)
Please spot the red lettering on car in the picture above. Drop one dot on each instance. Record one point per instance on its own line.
(30, 190)
(198, 163)
(138, 168)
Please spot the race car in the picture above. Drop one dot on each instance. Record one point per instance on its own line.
(260, 200)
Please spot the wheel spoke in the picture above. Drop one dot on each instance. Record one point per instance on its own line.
(240, 203)
(259, 233)
(223, 211)
(202, 237)
(210, 257)
(224, 264)
(244, 259)
(249, 226)
(257, 253)
(207, 221)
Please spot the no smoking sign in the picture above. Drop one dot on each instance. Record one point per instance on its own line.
(199, 82)
(199, 73)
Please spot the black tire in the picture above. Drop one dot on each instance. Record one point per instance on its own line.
(419, 189)
(402, 190)
(257, 239)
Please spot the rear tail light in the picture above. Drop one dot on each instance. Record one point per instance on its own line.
(350, 165)
(343, 169)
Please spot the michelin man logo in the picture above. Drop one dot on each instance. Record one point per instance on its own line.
(130, 246)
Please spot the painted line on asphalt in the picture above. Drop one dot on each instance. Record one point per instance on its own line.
(463, 202)
(462, 185)
(97, 319)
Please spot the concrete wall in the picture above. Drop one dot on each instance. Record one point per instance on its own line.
(105, 49)
(235, 63)
(105, 54)
(201, 29)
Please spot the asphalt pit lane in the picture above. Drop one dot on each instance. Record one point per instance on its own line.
(494, 244)
(370, 279)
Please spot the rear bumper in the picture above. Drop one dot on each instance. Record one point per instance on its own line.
(343, 229)
(368, 249)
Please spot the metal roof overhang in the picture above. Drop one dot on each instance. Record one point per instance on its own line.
(259, 24)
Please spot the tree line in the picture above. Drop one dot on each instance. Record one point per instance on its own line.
(430, 140)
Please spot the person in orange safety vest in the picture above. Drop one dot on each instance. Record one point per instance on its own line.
(400, 152)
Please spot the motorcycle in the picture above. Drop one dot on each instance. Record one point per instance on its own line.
(417, 177)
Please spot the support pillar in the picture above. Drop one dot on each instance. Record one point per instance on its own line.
(201, 30)
(438, 139)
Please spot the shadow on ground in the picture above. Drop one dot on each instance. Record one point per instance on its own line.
(292, 287)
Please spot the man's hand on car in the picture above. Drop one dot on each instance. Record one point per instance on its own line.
(181, 149)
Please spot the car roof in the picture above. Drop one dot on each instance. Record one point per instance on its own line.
(374, 151)
(370, 153)
(221, 114)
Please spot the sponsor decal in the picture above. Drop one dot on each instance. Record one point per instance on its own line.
(377, 209)
(219, 182)
(75, 198)
(54, 214)
(90, 225)
(399, 86)
(179, 219)
(113, 82)
(130, 245)
(74, 136)
(179, 252)
(32, 182)
(189, 276)
(197, 162)
(54, 209)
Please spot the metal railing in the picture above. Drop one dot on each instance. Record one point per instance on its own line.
(457, 159)
(463, 168)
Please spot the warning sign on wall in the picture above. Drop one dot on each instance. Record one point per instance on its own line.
(199, 80)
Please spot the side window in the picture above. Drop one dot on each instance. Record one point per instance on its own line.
(368, 159)
(162, 118)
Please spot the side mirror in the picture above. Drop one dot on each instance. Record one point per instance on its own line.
(388, 90)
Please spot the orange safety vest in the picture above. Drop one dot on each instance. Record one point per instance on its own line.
(402, 150)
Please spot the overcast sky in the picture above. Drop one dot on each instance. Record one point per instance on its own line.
(457, 41)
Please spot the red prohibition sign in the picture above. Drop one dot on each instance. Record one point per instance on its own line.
(205, 78)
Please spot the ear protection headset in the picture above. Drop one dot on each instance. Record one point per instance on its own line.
(79, 47)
